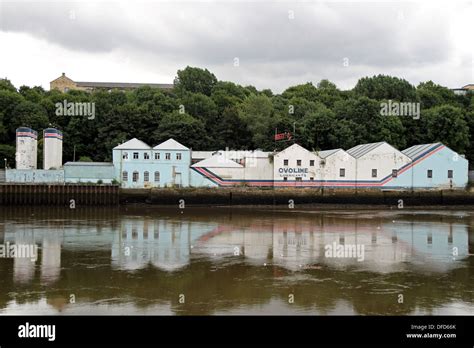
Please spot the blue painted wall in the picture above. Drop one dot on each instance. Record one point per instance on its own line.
(89, 173)
(172, 172)
(440, 162)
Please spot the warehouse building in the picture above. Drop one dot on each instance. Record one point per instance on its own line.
(234, 168)
(338, 168)
(381, 165)
(437, 166)
(138, 165)
(296, 167)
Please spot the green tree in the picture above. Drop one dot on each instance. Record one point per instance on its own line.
(195, 80)
(30, 115)
(385, 87)
(183, 128)
(446, 124)
(8, 152)
(85, 159)
(6, 85)
(257, 112)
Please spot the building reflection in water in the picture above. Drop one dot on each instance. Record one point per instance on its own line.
(171, 243)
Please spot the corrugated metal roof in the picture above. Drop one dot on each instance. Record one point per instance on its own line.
(327, 153)
(123, 85)
(133, 144)
(360, 150)
(416, 150)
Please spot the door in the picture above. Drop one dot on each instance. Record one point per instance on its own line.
(177, 180)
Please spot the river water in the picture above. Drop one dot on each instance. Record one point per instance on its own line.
(199, 261)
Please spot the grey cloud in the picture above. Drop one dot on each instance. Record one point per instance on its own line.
(261, 35)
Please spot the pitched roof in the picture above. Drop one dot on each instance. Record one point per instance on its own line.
(417, 150)
(360, 150)
(133, 144)
(217, 161)
(294, 146)
(327, 153)
(170, 144)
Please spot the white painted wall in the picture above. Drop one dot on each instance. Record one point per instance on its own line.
(26, 153)
(384, 158)
(330, 170)
(294, 153)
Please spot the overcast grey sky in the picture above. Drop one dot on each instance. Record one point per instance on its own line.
(275, 43)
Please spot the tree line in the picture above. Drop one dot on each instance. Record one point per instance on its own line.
(205, 113)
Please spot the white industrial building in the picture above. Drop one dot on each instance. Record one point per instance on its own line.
(296, 166)
(53, 149)
(26, 148)
(234, 168)
(338, 168)
(380, 164)
(171, 164)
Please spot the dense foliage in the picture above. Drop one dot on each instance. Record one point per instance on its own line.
(206, 114)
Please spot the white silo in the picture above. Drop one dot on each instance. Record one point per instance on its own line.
(52, 149)
(26, 148)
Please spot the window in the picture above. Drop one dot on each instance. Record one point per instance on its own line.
(146, 156)
(135, 155)
(157, 176)
(450, 174)
(394, 173)
(178, 156)
(125, 155)
(342, 172)
(311, 163)
(124, 176)
(167, 156)
(298, 163)
(285, 178)
(311, 179)
(135, 177)
(285, 162)
(157, 155)
(374, 173)
(146, 177)
(299, 179)
(429, 173)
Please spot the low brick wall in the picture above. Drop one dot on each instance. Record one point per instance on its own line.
(252, 196)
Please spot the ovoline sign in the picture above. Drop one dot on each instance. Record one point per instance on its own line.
(293, 172)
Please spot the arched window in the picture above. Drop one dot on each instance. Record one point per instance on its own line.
(124, 176)
(135, 176)
(146, 176)
(157, 176)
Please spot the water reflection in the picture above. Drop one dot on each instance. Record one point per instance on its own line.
(138, 260)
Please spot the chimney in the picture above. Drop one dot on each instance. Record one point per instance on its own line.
(64, 74)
